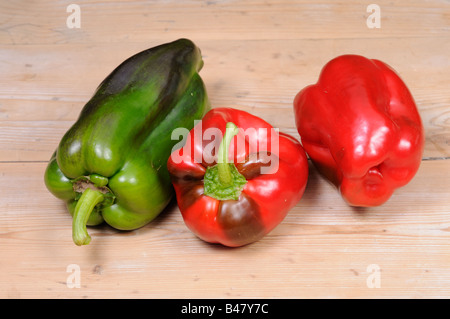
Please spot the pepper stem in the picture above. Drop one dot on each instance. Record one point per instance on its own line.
(223, 181)
(85, 205)
(223, 168)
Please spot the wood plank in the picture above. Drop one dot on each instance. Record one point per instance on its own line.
(261, 77)
(44, 22)
(321, 249)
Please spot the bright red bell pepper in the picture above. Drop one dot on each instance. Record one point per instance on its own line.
(238, 194)
(361, 128)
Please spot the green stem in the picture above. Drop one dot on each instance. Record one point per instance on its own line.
(223, 180)
(85, 205)
(223, 168)
(98, 180)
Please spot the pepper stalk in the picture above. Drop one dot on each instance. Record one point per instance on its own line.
(85, 205)
(92, 196)
(223, 181)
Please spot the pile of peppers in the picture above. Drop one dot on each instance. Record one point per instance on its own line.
(234, 176)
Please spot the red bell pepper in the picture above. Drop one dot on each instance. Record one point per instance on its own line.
(361, 128)
(238, 194)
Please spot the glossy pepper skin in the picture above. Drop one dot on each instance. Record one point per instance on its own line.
(360, 126)
(111, 165)
(259, 200)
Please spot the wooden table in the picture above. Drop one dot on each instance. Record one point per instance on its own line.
(258, 55)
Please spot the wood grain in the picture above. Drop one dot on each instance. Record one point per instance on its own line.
(258, 76)
(322, 248)
(258, 55)
(138, 21)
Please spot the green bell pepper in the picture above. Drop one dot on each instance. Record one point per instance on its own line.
(111, 165)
